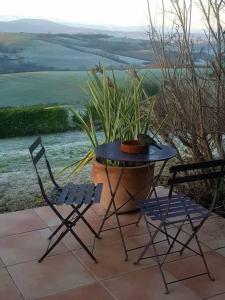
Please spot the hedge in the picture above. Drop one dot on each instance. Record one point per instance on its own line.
(32, 120)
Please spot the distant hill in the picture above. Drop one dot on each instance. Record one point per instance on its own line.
(46, 26)
(40, 26)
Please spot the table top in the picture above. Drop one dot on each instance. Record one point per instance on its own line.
(112, 151)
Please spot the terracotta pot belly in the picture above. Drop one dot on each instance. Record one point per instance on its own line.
(137, 180)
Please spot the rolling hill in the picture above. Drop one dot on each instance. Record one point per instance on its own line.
(47, 26)
(25, 52)
(63, 87)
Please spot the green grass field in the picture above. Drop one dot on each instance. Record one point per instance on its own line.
(42, 87)
(53, 68)
(64, 87)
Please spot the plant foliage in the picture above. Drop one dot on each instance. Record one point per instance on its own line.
(31, 120)
(120, 110)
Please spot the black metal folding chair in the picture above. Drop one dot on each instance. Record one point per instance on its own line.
(178, 209)
(79, 197)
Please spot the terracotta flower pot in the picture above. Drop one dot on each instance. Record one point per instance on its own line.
(134, 147)
(137, 180)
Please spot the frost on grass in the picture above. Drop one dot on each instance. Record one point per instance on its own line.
(18, 184)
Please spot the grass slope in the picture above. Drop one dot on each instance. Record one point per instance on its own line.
(64, 87)
(42, 87)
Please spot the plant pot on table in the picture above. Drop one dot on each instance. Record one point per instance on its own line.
(136, 179)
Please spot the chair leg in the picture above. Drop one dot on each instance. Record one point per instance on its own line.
(69, 226)
(80, 214)
(121, 234)
(83, 245)
(138, 220)
(62, 224)
(191, 237)
(53, 245)
(151, 192)
(201, 251)
(157, 257)
(149, 243)
(167, 237)
(186, 244)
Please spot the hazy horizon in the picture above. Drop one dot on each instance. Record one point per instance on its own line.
(98, 12)
(71, 23)
(115, 13)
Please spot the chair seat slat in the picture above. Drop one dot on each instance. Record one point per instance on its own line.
(193, 218)
(176, 204)
(98, 193)
(80, 195)
(175, 198)
(159, 216)
(63, 196)
(89, 193)
(165, 203)
(178, 208)
(72, 194)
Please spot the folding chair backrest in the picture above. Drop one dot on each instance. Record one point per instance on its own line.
(205, 171)
(38, 154)
(210, 170)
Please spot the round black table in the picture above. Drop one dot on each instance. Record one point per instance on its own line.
(112, 151)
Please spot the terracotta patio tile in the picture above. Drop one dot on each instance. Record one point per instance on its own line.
(212, 232)
(8, 290)
(111, 255)
(112, 259)
(1, 264)
(20, 221)
(129, 218)
(218, 297)
(100, 210)
(147, 284)
(202, 286)
(221, 251)
(50, 218)
(55, 274)
(26, 246)
(162, 247)
(87, 236)
(93, 291)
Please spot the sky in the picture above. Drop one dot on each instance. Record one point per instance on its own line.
(99, 12)
(96, 12)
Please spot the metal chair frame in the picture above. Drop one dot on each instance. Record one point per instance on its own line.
(74, 195)
(164, 209)
(116, 210)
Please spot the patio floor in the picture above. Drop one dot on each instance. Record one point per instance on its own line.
(68, 273)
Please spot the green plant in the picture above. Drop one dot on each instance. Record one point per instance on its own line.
(120, 110)
(22, 121)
